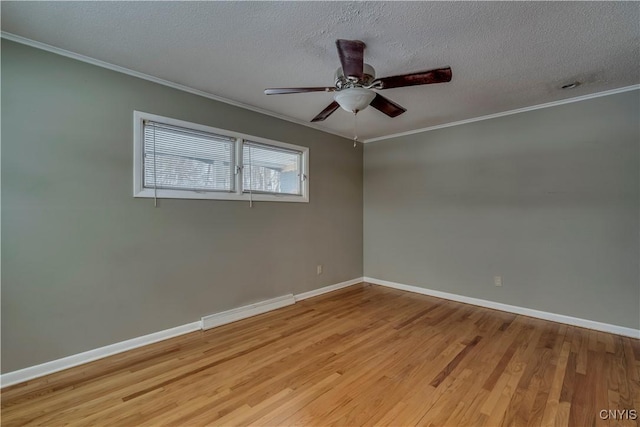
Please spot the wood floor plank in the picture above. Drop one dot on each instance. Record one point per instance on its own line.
(553, 402)
(363, 355)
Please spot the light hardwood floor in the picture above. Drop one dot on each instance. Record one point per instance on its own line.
(364, 355)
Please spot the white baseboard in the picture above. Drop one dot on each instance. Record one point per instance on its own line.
(233, 315)
(207, 322)
(330, 288)
(240, 313)
(47, 368)
(560, 318)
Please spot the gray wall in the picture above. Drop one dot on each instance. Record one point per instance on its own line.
(548, 199)
(84, 264)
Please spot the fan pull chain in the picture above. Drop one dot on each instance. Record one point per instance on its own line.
(355, 129)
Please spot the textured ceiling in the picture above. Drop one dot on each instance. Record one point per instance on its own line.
(503, 55)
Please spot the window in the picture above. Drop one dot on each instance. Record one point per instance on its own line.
(177, 159)
(183, 159)
(271, 169)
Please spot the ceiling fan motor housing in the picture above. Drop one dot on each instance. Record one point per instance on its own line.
(342, 82)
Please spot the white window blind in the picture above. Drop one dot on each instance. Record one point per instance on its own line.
(270, 169)
(187, 159)
(175, 159)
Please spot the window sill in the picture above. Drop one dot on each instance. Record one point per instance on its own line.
(211, 195)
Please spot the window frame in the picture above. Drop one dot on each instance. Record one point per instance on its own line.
(139, 191)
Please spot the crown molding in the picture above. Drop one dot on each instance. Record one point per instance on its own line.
(508, 113)
(124, 70)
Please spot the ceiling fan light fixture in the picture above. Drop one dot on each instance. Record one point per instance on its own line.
(354, 99)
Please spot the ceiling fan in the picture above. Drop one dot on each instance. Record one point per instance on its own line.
(355, 81)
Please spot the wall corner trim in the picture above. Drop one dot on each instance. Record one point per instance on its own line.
(560, 318)
(207, 322)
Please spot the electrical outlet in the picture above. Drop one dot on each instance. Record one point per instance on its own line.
(319, 269)
(497, 280)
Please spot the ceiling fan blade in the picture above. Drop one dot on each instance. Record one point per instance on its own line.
(387, 106)
(285, 90)
(326, 112)
(439, 75)
(351, 53)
